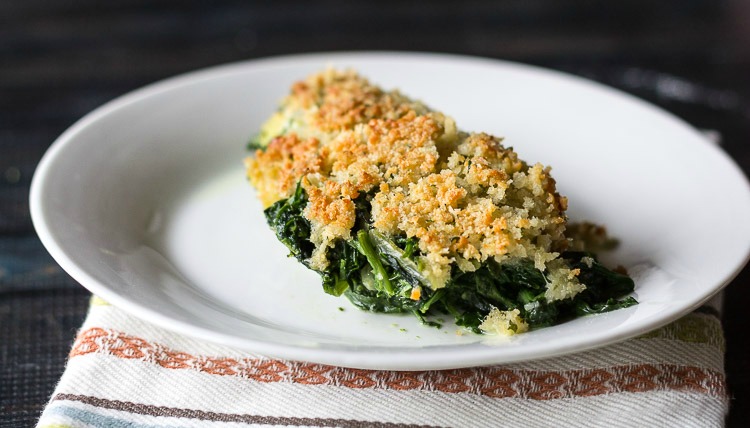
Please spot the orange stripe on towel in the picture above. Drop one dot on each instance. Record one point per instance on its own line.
(495, 381)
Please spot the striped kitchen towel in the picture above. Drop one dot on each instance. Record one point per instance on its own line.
(124, 372)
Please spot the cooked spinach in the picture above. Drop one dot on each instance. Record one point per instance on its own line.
(290, 225)
(382, 274)
(255, 144)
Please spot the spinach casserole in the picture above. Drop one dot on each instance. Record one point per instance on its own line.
(400, 211)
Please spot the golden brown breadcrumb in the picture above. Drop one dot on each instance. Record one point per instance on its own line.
(465, 196)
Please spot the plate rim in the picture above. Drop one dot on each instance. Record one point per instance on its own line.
(371, 359)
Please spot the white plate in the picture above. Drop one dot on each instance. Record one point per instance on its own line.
(144, 202)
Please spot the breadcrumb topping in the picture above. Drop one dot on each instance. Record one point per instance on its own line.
(505, 323)
(465, 197)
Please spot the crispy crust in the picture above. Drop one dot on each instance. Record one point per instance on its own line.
(466, 197)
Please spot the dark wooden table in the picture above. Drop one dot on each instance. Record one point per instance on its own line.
(61, 59)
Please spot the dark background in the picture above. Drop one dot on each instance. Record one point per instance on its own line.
(61, 59)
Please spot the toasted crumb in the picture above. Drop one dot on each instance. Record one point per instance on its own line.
(504, 323)
(466, 197)
(563, 282)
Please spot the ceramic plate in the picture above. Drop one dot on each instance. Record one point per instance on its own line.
(144, 202)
